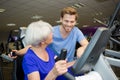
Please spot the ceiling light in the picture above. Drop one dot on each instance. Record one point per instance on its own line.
(36, 17)
(85, 25)
(16, 30)
(58, 21)
(81, 4)
(73, 6)
(78, 5)
(97, 13)
(11, 24)
(2, 10)
(99, 21)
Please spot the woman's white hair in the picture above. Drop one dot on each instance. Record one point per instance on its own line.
(37, 32)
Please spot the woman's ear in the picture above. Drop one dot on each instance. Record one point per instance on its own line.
(42, 42)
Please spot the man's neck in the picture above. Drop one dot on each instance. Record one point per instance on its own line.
(63, 32)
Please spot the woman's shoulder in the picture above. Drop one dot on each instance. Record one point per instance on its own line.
(29, 54)
(50, 51)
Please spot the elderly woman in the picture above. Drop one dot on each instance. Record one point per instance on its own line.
(38, 62)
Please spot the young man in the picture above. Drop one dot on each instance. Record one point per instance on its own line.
(66, 35)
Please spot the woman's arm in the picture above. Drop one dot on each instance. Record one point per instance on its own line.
(34, 76)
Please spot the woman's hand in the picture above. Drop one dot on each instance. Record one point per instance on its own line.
(59, 68)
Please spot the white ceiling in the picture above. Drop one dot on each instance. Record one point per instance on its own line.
(21, 11)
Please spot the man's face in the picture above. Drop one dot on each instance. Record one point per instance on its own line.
(68, 22)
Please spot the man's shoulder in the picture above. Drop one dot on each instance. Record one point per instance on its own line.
(55, 28)
(76, 28)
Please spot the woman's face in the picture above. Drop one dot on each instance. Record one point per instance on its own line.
(49, 39)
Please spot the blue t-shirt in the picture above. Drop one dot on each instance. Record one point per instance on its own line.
(68, 43)
(31, 62)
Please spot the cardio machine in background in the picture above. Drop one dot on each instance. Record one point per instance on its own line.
(18, 73)
(15, 42)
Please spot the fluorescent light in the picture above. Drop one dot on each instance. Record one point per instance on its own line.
(58, 21)
(73, 6)
(16, 30)
(36, 17)
(2, 10)
(99, 21)
(85, 25)
(78, 5)
(11, 24)
(82, 5)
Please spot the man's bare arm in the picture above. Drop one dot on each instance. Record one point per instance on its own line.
(82, 48)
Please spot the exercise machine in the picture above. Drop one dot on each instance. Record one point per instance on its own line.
(14, 41)
(94, 59)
